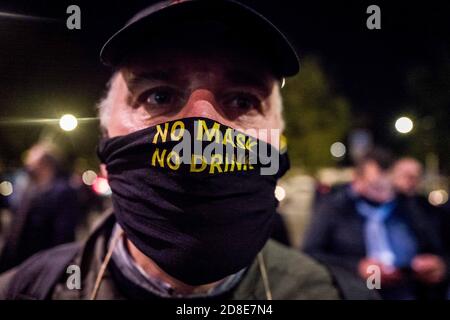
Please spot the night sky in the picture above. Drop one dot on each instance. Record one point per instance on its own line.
(47, 70)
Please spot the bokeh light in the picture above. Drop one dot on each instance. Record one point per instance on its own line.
(89, 177)
(6, 188)
(438, 197)
(68, 122)
(280, 193)
(101, 186)
(338, 149)
(404, 125)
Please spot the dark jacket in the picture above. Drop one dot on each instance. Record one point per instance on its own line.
(335, 236)
(291, 275)
(42, 220)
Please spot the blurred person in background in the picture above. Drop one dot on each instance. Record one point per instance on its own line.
(90, 203)
(367, 223)
(45, 210)
(3, 205)
(407, 175)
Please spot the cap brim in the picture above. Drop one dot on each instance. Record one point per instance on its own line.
(150, 22)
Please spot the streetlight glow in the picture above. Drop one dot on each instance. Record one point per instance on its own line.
(404, 125)
(68, 122)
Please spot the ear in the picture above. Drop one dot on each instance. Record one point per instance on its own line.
(103, 170)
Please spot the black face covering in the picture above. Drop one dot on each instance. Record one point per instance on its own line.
(201, 213)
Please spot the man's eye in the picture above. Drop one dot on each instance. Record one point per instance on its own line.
(159, 97)
(243, 102)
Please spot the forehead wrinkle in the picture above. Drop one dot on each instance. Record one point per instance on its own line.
(193, 74)
(244, 77)
(136, 79)
(198, 70)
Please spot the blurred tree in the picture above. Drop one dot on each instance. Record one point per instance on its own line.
(429, 90)
(315, 116)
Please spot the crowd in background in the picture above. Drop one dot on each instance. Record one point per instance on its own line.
(378, 219)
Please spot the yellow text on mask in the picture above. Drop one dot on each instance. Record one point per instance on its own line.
(217, 164)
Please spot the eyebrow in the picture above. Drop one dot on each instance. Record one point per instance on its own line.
(140, 78)
(250, 79)
(235, 77)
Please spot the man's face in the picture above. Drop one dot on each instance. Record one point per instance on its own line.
(34, 162)
(406, 176)
(374, 183)
(168, 84)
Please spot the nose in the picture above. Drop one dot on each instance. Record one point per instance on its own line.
(202, 103)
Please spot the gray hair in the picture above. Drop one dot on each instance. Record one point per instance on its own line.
(105, 105)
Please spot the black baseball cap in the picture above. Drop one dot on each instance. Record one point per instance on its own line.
(244, 24)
